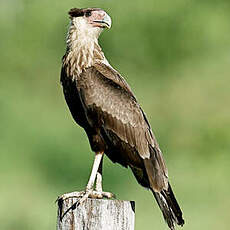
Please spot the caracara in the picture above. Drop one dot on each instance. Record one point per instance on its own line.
(102, 103)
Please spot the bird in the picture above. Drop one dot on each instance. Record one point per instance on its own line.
(103, 104)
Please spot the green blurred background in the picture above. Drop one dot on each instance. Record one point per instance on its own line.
(176, 57)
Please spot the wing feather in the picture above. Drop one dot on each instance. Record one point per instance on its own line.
(120, 111)
(110, 103)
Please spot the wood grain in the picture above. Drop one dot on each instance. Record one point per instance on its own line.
(95, 214)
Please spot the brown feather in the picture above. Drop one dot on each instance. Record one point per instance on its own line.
(103, 104)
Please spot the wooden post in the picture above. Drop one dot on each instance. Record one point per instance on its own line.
(96, 214)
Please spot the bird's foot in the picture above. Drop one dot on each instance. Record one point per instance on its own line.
(88, 193)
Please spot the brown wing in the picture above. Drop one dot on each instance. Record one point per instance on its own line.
(113, 75)
(109, 102)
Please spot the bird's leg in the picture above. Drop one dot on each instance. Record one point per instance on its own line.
(89, 187)
(98, 186)
(97, 160)
(83, 195)
(96, 174)
(89, 192)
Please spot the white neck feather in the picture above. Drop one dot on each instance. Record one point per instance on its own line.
(82, 47)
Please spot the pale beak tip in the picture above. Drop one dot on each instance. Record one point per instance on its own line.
(107, 20)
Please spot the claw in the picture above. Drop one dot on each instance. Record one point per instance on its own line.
(72, 207)
(71, 195)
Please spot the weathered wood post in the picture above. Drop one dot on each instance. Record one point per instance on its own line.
(96, 214)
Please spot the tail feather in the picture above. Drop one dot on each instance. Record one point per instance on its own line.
(169, 207)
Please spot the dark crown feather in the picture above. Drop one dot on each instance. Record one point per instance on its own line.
(76, 12)
(79, 12)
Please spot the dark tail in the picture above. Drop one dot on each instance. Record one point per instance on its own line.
(169, 207)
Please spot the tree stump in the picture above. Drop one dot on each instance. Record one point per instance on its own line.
(96, 214)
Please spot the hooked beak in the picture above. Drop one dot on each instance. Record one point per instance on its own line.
(106, 22)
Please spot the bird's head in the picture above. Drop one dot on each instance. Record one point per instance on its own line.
(90, 21)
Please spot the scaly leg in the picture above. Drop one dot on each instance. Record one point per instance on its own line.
(89, 192)
(98, 186)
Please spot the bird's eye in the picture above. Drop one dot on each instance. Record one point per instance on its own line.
(88, 13)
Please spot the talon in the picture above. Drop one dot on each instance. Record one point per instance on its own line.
(108, 195)
(83, 195)
(71, 195)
